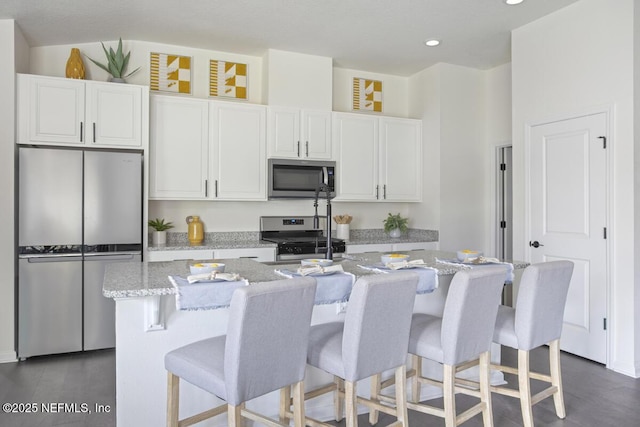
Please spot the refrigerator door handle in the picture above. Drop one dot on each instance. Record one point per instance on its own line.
(109, 257)
(52, 258)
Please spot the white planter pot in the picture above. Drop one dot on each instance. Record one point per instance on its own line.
(159, 238)
(395, 233)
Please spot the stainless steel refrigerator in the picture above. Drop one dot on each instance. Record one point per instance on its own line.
(78, 211)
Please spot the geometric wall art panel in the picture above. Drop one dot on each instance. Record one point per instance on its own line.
(367, 95)
(170, 73)
(227, 79)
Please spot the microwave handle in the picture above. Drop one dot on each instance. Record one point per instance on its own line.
(325, 176)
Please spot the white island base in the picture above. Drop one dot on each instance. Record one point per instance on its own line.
(141, 380)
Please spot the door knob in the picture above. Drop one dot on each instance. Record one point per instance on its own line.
(535, 244)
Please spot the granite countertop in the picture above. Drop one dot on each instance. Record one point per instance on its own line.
(250, 239)
(140, 279)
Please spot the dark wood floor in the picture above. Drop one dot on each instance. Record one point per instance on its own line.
(594, 396)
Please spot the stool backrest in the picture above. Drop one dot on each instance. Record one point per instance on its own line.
(267, 337)
(542, 297)
(470, 312)
(377, 324)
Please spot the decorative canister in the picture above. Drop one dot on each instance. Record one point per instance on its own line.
(75, 66)
(342, 231)
(195, 230)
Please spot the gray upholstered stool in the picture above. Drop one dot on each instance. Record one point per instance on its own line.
(457, 340)
(373, 338)
(536, 320)
(264, 350)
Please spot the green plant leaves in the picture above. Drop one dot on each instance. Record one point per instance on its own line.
(117, 61)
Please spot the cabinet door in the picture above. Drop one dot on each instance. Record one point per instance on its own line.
(316, 134)
(401, 159)
(238, 151)
(50, 110)
(355, 139)
(257, 254)
(284, 132)
(178, 148)
(114, 114)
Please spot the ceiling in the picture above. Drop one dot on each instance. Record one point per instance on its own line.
(383, 36)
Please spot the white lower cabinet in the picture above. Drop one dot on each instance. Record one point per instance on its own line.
(178, 255)
(378, 158)
(390, 247)
(257, 254)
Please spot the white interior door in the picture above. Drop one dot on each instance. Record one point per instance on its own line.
(568, 221)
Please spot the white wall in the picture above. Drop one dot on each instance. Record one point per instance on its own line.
(394, 92)
(578, 59)
(298, 80)
(8, 35)
(498, 134)
(51, 61)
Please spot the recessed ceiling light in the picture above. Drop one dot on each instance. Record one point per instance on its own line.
(513, 2)
(432, 43)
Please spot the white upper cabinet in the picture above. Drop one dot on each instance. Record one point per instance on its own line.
(238, 151)
(378, 158)
(207, 150)
(299, 134)
(178, 148)
(401, 159)
(60, 111)
(357, 151)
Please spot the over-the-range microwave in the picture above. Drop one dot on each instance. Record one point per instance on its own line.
(300, 179)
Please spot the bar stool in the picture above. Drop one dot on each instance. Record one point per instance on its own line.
(373, 338)
(264, 350)
(536, 320)
(457, 340)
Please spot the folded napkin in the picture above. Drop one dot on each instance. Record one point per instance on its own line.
(213, 276)
(480, 261)
(205, 295)
(428, 276)
(333, 283)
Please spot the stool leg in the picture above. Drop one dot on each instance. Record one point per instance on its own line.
(449, 394)
(234, 417)
(416, 363)
(298, 404)
(285, 404)
(173, 399)
(351, 403)
(375, 391)
(401, 395)
(337, 399)
(525, 388)
(556, 377)
(485, 390)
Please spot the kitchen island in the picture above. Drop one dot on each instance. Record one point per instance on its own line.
(148, 325)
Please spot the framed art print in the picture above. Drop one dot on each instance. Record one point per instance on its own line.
(367, 95)
(170, 73)
(227, 79)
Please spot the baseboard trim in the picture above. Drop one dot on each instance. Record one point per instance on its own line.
(8, 356)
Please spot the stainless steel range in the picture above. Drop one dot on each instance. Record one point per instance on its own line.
(298, 237)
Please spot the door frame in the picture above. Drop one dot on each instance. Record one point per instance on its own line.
(609, 111)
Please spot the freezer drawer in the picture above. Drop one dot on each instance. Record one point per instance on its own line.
(49, 305)
(100, 311)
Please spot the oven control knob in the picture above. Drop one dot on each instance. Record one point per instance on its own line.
(297, 250)
(288, 250)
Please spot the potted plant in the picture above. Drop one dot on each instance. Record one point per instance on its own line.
(159, 236)
(116, 63)
(395, 225)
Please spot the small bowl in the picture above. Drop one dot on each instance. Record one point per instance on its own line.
(468, 255)
(387, 258)
(206, 267)
(317, 261)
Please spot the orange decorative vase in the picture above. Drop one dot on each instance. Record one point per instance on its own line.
(195, 230)
(75, 66)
